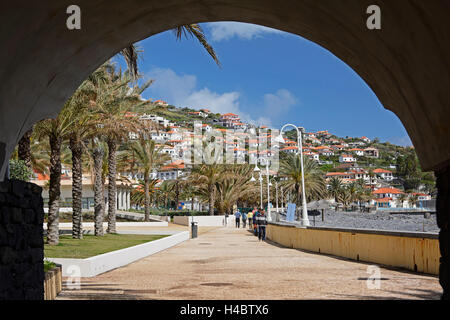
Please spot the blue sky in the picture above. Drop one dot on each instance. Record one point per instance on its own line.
(268, 77)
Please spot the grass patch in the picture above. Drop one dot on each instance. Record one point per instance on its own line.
(91, 245)
(48, 265)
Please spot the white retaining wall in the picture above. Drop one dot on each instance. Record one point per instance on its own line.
(162, 218)
(93, 266)
(118, 224)
(205, 221)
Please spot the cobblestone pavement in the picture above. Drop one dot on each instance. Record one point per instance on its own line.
(228, 263)
(377, 220)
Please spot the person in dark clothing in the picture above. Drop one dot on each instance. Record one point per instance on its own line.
(238, 218)
(262, 223)
(255, 225)
(244, 219)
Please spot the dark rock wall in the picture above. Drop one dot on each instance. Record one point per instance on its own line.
(21, 241)
(443, 220)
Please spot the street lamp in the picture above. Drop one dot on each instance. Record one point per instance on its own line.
(260, 191)
(256, 169)
(268, 191)
(276, 194)
(305, 220)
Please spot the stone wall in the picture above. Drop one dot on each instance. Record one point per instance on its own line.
(21, 241)
(443, 221)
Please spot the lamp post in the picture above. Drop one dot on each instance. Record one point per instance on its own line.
(260, 182)
(305, 220)
(276, 194)
(268, 192)
(260, 191)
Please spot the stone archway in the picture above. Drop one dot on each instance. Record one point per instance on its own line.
(405, 63)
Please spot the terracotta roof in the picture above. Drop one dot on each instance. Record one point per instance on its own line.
(420, 194)
(179, 164)
(388, 190)
(381, 171)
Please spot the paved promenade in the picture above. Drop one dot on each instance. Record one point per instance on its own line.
(226, 263)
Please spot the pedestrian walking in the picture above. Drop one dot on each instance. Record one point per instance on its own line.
(244, 219)
(238, 218)
(262, 223)
(250, 217)
(255, 219)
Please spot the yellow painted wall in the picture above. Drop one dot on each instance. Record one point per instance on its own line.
(389, 250)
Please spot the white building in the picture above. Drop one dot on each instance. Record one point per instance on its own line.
(346, 158)
(123, 202)
(384, 174)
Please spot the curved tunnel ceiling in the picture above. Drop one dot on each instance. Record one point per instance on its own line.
(405, 63)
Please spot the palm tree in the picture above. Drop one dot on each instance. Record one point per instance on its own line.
(336, 186)
(234, 186)
(402, 198)
(138, 196)
(98, 172)
(24, 148)
(131, 53)
(290, 168)
(148, 157)
(345, 197)
(81, 106)
(165, 189)
(413, 199)
(206, 176)
(56, 130)
(114, 100)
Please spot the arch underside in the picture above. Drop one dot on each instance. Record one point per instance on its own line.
(405, 63)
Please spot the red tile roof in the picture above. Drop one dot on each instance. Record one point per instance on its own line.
(388, 190)
(381, 171)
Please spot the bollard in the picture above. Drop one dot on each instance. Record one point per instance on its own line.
(194, 229)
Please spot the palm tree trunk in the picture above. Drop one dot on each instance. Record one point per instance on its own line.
(177, 195)
(54, 191)
(112, 190)
(147, 198)
(99, 202)
(24, 148)
(211, 199)
(77, 184)
(299, 201)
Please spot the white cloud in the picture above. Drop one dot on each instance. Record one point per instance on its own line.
(180, 90)
(277, 104)
(227, 30)
(401, 141)
(172, 87)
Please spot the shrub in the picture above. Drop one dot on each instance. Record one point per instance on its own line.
(19, 170)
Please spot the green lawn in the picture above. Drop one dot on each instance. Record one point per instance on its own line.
(91, 245)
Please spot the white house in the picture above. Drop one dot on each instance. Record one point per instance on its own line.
(357, 151)
(384, 174)
(346, 158)
(371, 152)
(312, 155)
(124, 189)
(289, 149)
(171, 171)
